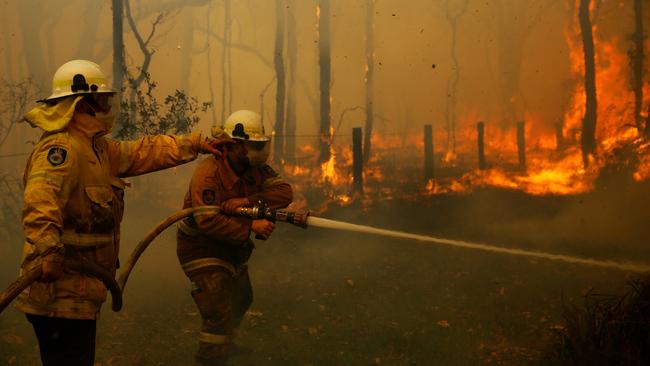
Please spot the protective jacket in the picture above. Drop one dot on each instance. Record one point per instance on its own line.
(213, 249)
(74, 201)
(215, 182)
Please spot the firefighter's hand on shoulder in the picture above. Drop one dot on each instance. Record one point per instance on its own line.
(213, 146)
(264, 228)
(51, 267)
(231, 206)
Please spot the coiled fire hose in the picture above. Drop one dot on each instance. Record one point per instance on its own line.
(92, 269)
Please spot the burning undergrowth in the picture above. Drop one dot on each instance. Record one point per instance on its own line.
(606, 330)
(554, 162)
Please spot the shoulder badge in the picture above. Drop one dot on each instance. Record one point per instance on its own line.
(56, 156)
(208, 196)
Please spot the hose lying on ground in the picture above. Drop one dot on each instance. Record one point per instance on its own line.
(92, 269)
(142, 245)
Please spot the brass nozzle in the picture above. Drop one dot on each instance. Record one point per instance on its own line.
(298, 218)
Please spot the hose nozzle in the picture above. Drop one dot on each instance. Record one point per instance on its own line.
(262, 211)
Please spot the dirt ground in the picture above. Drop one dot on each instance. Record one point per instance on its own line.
(333, 298)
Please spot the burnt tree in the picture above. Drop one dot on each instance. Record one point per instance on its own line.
(637, 57)
(118, 54)
(292, 58)
(324, 63)
(118, 45)
(225, 57)
(37, 21)
(453, 12)
(588, 138)
(370, 76)
(187, 44)
(278, 62)
(88, 38)
(208, 53)
(514, 22)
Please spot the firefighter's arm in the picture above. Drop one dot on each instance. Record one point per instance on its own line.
(204, 192)
(276, 192)
(49, 178)
(153, 153)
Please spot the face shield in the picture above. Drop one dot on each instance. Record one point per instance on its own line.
(103, 107)
(258, 152)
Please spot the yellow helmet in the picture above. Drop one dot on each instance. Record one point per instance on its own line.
(78, 77)
(245, 125)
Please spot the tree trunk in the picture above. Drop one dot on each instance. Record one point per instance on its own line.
(91, 22)
(647, 123)
(588, 138)
(28, 11)
(278, 60)
(370, 76)
(325, 74)
(637, 63)
(9, 72)
(225, 54)
(452, 84)
(88, 37)
(213, 110)
(187, 48)
(292, 53)
(118, 52)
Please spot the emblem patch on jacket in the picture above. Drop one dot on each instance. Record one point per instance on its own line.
(56, 156)
(208, 196)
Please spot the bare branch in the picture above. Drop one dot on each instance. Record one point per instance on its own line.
(262, 93)
(168, 6)
(239, 46)
(16, 97)
(144, 45)
(346, 110)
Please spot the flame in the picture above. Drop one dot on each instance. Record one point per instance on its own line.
(394, 169)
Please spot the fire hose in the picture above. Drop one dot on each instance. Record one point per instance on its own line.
(92, 269)
(304, 219)
(298, 218)
(260, 211)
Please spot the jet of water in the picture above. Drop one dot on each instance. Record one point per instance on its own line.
(340, 225)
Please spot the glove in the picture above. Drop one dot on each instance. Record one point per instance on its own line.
(230, 206)
(263, 228)
(213, 146)
(52, 267)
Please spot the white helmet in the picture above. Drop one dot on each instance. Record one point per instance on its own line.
(78, 77)
(245, 125)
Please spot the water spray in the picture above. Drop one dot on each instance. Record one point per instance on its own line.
(304, 219)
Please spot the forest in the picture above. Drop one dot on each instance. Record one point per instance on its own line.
(520, 124)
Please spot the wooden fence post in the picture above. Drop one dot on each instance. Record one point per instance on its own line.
(480, 128)
(521, 144)
(357, 160)
(428, 152)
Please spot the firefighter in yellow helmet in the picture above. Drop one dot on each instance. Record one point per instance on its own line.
(73, 205)
(214, 249)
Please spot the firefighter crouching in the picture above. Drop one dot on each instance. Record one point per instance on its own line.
(214, 249)
(73, 205)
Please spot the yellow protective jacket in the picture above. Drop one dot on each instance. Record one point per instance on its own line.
(73, 201)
